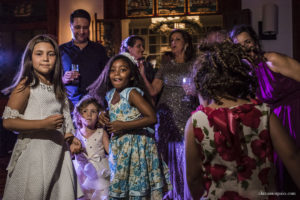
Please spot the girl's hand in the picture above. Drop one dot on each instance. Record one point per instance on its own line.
(75, 147)
(53, 121)
(115, 127)
(103, 119)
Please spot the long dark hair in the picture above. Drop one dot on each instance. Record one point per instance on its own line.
(190, 52)
(26, 71)
(102, 85)
(222, 72)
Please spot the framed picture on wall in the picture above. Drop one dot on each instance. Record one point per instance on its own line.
(170, 7)
(139, 8)
(202, 6)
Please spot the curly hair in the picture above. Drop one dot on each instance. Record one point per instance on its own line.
(83, 103)
(224, 72)
(212, 38)
(103, 84)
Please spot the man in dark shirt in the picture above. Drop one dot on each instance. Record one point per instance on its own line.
(89, 56)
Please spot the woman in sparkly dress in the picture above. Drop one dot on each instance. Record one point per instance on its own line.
(173, 108)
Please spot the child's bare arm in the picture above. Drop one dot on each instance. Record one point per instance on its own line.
(105, 141)
(288, 152)
(149, 117)
(18, 101)
(193, 166)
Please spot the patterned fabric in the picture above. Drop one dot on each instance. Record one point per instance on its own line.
(40, 165)
(237, 152)
(92, 166)
(137, 172)
(172, 115)
(9, 113)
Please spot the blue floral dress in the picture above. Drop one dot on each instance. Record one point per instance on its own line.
(137, 172)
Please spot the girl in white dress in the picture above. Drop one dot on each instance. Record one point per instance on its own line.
(91, 165)
(40, 166)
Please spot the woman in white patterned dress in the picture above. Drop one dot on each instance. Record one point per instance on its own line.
(40, 166)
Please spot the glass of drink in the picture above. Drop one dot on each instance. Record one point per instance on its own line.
(75, 67)
(186, 84)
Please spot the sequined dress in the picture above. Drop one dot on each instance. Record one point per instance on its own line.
(40, 166)
(172, 115)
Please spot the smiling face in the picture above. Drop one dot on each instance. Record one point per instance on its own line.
(137, 50)
(80, 30)
(177, 43)
(43, 59)
(119, 74)
(89, 116)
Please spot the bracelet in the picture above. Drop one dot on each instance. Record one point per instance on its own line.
(69, 139)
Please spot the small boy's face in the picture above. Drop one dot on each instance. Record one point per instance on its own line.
(89, 116)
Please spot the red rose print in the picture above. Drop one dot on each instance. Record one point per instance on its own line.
(245, 167)
(262, 147)
(230, 195)
(250, 118)
(224, 148)
(207, 184)
(198, 134)
(217, 171)
(263, 175)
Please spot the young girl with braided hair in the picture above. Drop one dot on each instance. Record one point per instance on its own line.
(230, 140)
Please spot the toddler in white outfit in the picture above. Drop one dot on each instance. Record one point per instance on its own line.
(91, 165)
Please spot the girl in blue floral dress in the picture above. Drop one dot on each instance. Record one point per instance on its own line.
(137, 172)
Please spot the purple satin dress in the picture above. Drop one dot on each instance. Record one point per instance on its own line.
(283, 95)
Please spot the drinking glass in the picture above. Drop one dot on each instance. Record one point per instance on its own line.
(186, 84)
(75, 67)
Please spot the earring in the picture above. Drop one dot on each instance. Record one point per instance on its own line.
(185, 47)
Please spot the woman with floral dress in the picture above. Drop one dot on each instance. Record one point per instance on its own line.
(230, 142)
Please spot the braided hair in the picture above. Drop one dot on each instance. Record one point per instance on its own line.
(223, 71)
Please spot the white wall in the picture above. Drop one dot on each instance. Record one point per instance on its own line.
(284, 41)
(66, 7)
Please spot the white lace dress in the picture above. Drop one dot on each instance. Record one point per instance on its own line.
(92, 166)
(40, 166)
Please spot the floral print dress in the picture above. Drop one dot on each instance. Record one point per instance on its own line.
(137, 172)
(236, 151)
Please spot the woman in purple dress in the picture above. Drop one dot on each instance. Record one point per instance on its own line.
(279, 86)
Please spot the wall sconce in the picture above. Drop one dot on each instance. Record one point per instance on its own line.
(268, 27)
